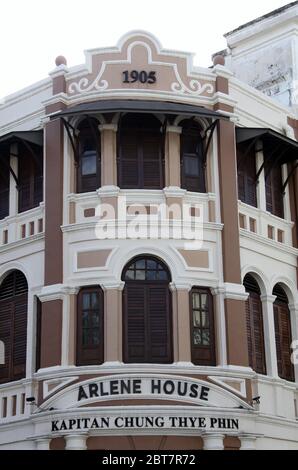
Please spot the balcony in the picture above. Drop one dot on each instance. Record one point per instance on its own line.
(22, 226)
(264, 224)
(13, 405)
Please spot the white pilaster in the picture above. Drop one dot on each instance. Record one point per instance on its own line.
(220, 326)
(76, 441)
(247, 442)
(213, 441)
(43, 443)
(294, 328)
(269, 334)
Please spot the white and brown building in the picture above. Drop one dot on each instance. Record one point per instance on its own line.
(116, 337)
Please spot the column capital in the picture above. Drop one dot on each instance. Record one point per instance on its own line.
(248, 441)
(76, 441)
(42, 443)
(174, 129)
(175, 286)
(108, 127)
(112, 285)
(213, 441)
(268, 298)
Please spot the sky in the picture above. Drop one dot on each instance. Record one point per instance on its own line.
(34, 32)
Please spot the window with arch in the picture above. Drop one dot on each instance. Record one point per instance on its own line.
(202, 327)
(283, 334)
(254, 325)
(192, 157)
(147, 312)
(13, 325)
(90, 326)
(89, 156)
(140, 152)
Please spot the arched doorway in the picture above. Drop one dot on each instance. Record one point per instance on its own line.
(13, 325)
(147, 312)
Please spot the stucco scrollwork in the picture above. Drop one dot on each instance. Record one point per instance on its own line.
(83, 86)
(195, 87)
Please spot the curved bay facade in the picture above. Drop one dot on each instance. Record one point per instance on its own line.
(148, 274)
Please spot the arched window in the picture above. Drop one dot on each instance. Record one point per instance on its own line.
(254, 325)
(246, 174)
(140, 152)
(192, 162)
(90, 332)
(147, 312)
(89, 164)
(13, 326)
(202, 327)
(283, 334)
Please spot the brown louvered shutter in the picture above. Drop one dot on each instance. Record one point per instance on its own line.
(90, 326)
(159, 337)
(246, 174)
(89, 153)
(13, 325)
(140, 157)
(30, 175)
(283, 339)
(254, 326)
(274, 197)
(134, 297)
(147, 323)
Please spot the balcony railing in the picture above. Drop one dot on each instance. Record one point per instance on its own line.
(263, 223)
(13, 403)
(22, 226)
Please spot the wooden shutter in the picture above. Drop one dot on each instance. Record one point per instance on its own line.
(13, 326)
(283, 340)
(90, 326)
(147, 323)
(30, 175)
(135, 338)
(202, 354)
(140, 161)
(246, 174)
(255, 335)
(89, 146)
(274, 197)
(38, 334)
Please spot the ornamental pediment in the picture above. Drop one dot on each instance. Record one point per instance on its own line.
(139, 66)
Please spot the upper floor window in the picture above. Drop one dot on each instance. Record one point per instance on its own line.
(274, 196)
(140, 152)
(4, 184)
(192, 157)
(89, 164)
(147, 312)
(246, 174)
(283, 334)
(13, 326)
(90, 333)
(254, 325)
(202, 327)
(30, 176)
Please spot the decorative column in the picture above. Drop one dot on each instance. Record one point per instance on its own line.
(269, 334)
(172, 157)
(248, 442)
(237, 349)
(43, 443)
(181, 323)
(51, 311)
(213, 441)
(261, 191)
(113, 322)
(76, 441)
(108, 154)
(220, 325)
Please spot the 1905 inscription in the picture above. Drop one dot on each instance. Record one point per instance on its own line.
(139, 76)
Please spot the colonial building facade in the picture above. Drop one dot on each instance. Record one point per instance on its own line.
(148, 258)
